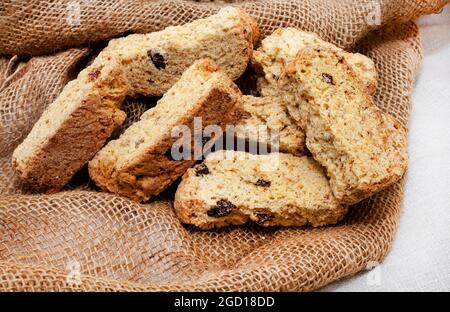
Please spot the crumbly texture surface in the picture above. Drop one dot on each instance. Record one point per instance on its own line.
(140, 163)
(276, 189)
(362, 149)
(73, 128)
(155, 61)
(265, 121)
(81, 119)
(280, 48)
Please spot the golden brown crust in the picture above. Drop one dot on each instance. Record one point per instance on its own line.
(155, 61)
(362, 149)
(395, 172)
(233, 190)
(147, 72)
(78, 137)
(280, 48)
(152, 171)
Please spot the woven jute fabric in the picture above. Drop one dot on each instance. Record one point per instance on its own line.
(87, 240)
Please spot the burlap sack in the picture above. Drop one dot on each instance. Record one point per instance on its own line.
(83, 239)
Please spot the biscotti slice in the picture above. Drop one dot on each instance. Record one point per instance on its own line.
(155, 61)
(140, 163)
(232, 187)
(73, 128)
(362, 149)
(265, 121)
(280, 48)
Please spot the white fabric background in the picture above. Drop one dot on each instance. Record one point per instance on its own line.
(420, 256)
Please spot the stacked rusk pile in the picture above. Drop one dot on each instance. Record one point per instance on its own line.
(314, 96)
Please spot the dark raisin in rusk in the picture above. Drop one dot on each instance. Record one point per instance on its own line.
(223, 208)
(201, 169)
(307, 152)
(327, 78)
(157, 60)
(93, 75)
(263, 217)
(262, 183)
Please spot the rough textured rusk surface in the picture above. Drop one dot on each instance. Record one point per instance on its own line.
(146, 64)
(237, 187)
(18, 115)
(269, 62)
(120, 245)
(362, 149)
(154, 62)
(141, 163)
(73, 128)
(280, 48)
(266, 123)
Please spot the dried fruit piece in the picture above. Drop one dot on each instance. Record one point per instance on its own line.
(157, 60)
(263, 217)
(327, 78)
(93, 75)
(262, 183)
(223, 208)
(201, 169)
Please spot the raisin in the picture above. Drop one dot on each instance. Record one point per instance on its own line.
(307, 152)
(93, 74)
(157, 60)
(223, 208)
(327, 78)
(263, 183)
(201, 169)
(263, 217)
